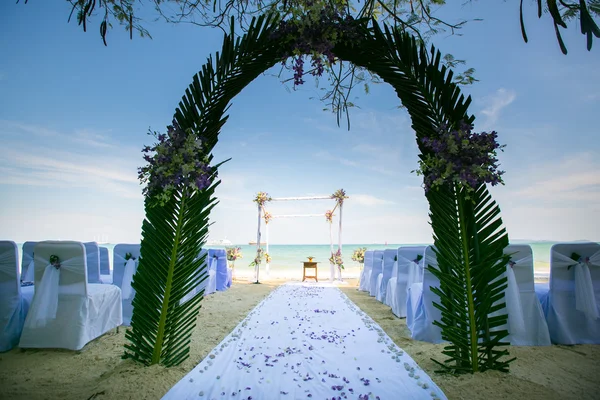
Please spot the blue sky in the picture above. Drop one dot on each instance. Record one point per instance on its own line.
(74, 116)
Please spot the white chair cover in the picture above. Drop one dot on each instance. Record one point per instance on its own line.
(92, 252)
(104, 261)
(121, 280)
(221, 270)
(66, 311)
(390, 291)
(365, 276)
(27, 262)
(375, 271)
(526, 321)
(409, 272)
(421, 312)
(13, 307)
(574, 294)
(389, 256)
(130, 269)
(211, 285)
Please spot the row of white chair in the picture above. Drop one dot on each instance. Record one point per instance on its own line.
(62, 309)
(569, 303)
(17, 295)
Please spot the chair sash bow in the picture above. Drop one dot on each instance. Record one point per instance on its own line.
(130, 268)
(512, 297)
(45, 301)
(585, 300)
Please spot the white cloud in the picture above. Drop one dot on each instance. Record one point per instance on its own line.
(496, 103)
(368, 200)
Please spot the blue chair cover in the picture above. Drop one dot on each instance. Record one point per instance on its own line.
(222, 277)
(104, 261)
(92, 252)
(365, 276)
(119, 262)
(27, 261)
(375, 271)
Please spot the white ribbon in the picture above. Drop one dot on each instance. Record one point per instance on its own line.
(126, 290)
(45, 301)
(512, 297)
(29, 273)
(415, 274)
(585, 300)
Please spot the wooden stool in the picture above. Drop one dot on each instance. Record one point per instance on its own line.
(307, 265)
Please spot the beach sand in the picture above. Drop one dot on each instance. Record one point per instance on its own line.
(98, 372)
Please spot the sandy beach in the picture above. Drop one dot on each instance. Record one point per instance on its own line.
(98, 372)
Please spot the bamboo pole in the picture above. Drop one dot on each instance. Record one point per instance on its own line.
(331, 267)
(257, 266)
(340, 243)
(267, 246)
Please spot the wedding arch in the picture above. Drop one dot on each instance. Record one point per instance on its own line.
(336, 257)
(456, 164)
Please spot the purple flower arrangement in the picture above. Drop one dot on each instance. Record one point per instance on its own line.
(314, 31)
(178, 161)
(460, 156)
(336, 258)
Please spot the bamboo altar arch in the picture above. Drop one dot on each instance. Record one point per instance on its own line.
(336, 257)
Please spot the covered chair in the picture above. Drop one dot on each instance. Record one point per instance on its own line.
(526, 322)
(389, 261)
(375, 271)
(420, 311)
(92, 252)
(68, 312)
(222, 274)
(211, 282)
(123, 272)
(13, 305)
(27, 262)
(409, 271)
(571, 304)
(105, 272)
(365, 276)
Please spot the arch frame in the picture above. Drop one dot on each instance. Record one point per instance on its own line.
(469, 236)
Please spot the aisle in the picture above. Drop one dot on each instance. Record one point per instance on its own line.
(306, 341)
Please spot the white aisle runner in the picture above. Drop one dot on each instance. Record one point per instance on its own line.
(306, 342)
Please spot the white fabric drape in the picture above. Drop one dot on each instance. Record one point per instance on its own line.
(45, 301)
(585, 300)
(211, 287)
(512, 297)
(29, 274)
(130, 268)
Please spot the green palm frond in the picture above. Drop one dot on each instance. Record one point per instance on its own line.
(469, 243)
(169, 268)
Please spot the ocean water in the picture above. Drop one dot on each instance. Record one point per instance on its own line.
(287, 259)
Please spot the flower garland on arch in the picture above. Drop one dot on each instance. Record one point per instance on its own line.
(336, 258)
(267, 216)
(459, 156)
(339, 196)
(329, 216)
(261, 198)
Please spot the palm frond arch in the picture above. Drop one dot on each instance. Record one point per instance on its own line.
(468, 235)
